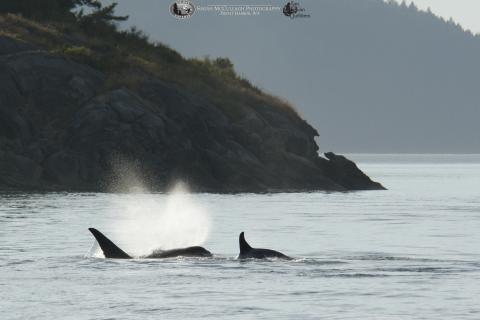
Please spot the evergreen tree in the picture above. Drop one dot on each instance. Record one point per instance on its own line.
(61, 10)
(100, 19)
(36, 8)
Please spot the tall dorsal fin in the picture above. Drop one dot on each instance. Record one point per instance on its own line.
(110, 249)
(244, 246)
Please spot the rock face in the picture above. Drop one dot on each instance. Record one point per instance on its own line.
(59, 130)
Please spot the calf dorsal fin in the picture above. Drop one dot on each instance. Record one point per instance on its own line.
(244, 246)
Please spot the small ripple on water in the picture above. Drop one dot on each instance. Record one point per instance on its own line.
(386, 257)
(439, 270)
(17, 262)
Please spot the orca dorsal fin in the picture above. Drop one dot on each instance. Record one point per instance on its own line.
(110, 249)
(244, 246)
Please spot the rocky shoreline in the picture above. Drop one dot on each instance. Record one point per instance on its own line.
(60, 129)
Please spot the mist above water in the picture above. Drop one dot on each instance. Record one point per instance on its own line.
(141, 221)
(146, 221)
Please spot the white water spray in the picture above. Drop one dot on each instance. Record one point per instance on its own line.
(145, 222)
(95, 251)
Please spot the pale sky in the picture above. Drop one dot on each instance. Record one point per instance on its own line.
(465, 12)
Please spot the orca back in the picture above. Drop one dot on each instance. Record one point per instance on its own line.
(267, 253)
(110, 249)
(180, 252)
(246, 251)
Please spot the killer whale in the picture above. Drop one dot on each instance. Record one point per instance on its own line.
(112, 251)
(246, 251)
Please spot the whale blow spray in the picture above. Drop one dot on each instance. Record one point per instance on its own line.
(144, 222)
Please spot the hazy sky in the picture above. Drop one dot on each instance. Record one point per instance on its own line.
(337, 70)
(465, 12)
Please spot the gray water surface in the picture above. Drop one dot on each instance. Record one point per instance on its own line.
(411, 252)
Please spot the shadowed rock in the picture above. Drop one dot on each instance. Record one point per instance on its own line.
(60, 129)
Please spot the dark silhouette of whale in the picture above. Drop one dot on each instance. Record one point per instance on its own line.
(246, 251)
(112, 251)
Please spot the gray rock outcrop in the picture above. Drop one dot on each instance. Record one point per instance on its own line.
(61, 130)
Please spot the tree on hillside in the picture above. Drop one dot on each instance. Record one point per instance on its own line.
(100, 16)
(42, 9)
(62, 10)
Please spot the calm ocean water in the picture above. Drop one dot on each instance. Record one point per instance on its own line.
(412, 252)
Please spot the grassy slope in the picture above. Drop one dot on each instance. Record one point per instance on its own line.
(128, 58)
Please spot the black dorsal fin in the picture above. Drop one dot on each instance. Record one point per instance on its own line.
(244, 246)
(110, 249)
